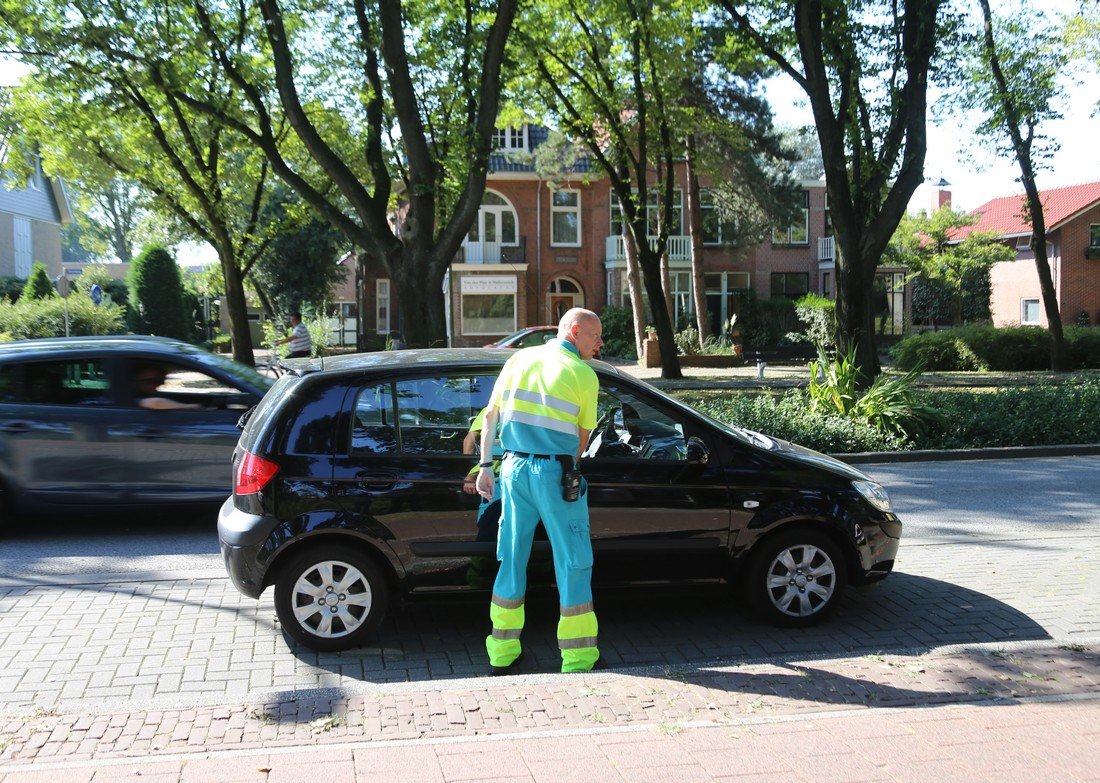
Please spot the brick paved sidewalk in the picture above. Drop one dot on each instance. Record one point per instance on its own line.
(663, 704)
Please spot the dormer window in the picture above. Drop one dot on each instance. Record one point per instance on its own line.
(510, 139)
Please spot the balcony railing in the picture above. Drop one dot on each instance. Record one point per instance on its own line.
(492, 253)
(679, 248)
(826, 250)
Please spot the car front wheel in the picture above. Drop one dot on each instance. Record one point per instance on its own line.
(795, 578)
(330, 598)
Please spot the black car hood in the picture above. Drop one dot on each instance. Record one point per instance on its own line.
(809, 456)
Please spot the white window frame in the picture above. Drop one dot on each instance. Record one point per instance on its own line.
(383, 312)
(510, 139)
(575, 209)
(1038, 309)
(777, 232)
(1094, 232)
(24, 246)
(1023, 243)
(651, 210)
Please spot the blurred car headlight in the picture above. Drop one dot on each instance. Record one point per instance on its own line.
(873, 493)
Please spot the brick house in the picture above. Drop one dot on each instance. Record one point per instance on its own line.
(535, 251)
(1073, 248)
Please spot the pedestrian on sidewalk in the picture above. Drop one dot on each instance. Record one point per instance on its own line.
(301, 346)
(545, 399)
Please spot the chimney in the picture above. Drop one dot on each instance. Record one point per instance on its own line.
(943, 195)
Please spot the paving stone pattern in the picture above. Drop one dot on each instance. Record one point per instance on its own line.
(198, 641)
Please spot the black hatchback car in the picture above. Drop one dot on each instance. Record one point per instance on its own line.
(75, 437)
(349, 486)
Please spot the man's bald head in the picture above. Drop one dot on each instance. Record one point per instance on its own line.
(582, 328)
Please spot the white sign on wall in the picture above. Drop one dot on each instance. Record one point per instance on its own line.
(489, 284)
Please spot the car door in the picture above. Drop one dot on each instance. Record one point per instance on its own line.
(183, 455)
(60, 435)
(403, 476)
(657, 494)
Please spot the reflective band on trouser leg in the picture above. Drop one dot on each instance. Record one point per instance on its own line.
(503, 644)
(577, 639)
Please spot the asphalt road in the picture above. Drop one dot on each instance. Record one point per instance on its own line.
(939, 502)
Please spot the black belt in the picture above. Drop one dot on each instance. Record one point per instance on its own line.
(560, 457)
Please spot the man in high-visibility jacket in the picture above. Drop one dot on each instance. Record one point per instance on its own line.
(545, 399)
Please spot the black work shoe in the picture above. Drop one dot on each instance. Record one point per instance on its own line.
(500, 671)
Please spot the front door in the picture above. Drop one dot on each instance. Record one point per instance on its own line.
(559, 305)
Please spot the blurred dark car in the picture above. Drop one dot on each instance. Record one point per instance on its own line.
(348, 487)
(526, 338)
(73, 436)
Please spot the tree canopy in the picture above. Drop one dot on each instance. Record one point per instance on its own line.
(865, 69)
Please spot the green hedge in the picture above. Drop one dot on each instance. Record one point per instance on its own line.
(789, 417)
(1008, 349)
(1041, 415)
(30, 318)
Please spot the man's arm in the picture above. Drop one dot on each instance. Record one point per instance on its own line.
(488, 435)
(585, 436)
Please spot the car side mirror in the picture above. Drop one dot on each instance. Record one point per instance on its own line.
(697, 451)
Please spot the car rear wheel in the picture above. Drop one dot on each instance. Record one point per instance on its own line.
(329, 598)
(795, 579)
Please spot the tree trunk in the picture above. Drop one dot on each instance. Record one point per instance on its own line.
(666, 287)
(634, 286)
(854, 312)
(419, 290)
(1050, 295)
(649, 260)
(695, 231)
(236, 307)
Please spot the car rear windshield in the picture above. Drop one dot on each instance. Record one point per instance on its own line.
(257, 421)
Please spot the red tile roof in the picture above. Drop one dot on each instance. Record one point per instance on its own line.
(1004, 216)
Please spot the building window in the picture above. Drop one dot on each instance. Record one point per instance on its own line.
(716, 231)
(23, 248)
(790, 285)
(652, 214)
(1094, 235)
(510, 138)
(828, 216)
(798, 232)
(827, 285)
(1029, 312)
(488, 304)
(565, 218)
(382, 305)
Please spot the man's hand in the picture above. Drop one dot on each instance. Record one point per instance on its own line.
(485, 483)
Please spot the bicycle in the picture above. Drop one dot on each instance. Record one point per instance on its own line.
(271, 368)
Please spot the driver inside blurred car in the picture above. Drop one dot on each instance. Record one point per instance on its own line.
(147, 382)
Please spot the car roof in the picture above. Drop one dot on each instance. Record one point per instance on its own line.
(115, 342)
(490, 358)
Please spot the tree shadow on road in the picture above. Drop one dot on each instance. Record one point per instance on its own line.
(686, 626)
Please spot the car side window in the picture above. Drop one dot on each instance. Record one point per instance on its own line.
(535, 338)
(434, 414)
(70, 382)
(373, 430)
(629, 427)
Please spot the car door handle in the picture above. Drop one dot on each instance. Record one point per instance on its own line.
(15, 428)
(377, 481)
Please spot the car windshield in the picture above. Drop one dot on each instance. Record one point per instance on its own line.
(740, 433)
(237, 371)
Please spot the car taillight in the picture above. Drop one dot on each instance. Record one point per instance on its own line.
(253, 474)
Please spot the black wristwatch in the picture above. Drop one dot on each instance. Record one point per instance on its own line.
(485, 465)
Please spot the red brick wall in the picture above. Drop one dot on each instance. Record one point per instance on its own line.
(1080, 289)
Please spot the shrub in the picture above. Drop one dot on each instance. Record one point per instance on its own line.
(156, 295)
(766, 321)
(618, 333)
(39, 285)
(687, 341)
(11, 287)
(889, 405)
(817, 315)
(789, 417)
(1007, 349)
(32, 318)
(1038, 415)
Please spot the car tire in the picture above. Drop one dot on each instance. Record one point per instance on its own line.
(331, 598)
(795, 578)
